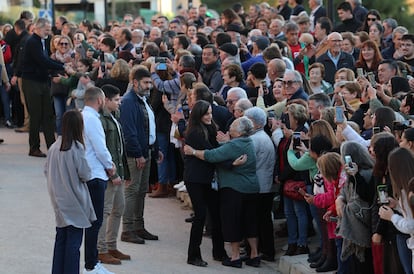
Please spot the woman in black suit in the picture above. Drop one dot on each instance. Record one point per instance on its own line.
(198, 177)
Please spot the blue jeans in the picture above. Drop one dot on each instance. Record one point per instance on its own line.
(297, 221)
(166, 169)
(66, 254)
(342, 265)
(405, 253)
(97, 191)
(5, 99)
(315, 215)
(59, 103)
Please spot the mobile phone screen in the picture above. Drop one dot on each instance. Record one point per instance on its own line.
(339, 114)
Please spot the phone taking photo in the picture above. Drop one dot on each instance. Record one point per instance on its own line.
(383, 194)
(339, 114)
(296, 139)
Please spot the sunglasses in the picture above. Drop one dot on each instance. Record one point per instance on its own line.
(63, 44)
(288, 83)
(371, 19)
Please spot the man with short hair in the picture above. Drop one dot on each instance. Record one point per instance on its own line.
(276, 30)
(407, 47)
(257, 74)
(210, 68)
(358, 10)
(317, 102)
(334, 58)
(386, 70)
(35, 83)
(100, 161)
(114, 194)
(176, 26)
(300, 60)
(155, 33)
(180, 42)
(138, 122)
(394, 51)
(18, 55)
(317, 11)
(389, 24)
(349, 23)
(260, 43)
(162, 23)
(124, 40)
(293, 85)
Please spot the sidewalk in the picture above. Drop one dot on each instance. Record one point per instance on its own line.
(27, 224)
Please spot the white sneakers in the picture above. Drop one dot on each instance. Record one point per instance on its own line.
(98, 269)
(179, 185)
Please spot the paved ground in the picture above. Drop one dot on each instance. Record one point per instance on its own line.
(27, 224)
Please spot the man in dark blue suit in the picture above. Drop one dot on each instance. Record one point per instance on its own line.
(317, 11)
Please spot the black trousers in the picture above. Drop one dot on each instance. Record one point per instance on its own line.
(204, 198)
(265, 224)
(39, 106)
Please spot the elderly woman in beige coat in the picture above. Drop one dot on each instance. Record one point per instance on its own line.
(67, 172)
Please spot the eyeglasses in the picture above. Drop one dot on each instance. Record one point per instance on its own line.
(371, 19)
(289, 83)
(63, 44)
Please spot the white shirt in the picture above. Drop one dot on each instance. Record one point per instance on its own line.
(151, 121)
(96, 152)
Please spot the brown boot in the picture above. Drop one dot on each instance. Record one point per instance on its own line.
(119, 255)
(161, 192)
(107, 258)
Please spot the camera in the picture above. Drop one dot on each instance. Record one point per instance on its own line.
(138, 50)
(264, 86)
(102, 60)
(160, 60)
(271, 114)
(401, 125)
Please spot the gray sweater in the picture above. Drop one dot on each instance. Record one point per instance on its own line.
(67, 173)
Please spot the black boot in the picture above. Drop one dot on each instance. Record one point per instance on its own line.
(331, 263)
(319, 262)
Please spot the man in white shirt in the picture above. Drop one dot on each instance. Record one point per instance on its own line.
(100, 162)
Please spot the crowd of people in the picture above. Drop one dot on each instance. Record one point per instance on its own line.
(234, 110)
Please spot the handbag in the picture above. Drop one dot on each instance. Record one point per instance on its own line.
(291, 187)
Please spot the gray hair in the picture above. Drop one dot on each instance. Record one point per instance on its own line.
(318, 2)
(41, 22)
(296, 74)
(257, 115)
(139, 31)
(399, 29)
(291, 26)
(244, 126)
(391, 22)
(244, 104)
(239, 92)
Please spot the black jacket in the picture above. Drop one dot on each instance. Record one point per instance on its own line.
(196, 170)
(35, 63)
(211, 75)
(345, 61)
(18, 54)
(351, 25)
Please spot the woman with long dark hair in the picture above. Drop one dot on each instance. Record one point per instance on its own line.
(67, 171)
(198, 177)
(401, 168)
(384, 234)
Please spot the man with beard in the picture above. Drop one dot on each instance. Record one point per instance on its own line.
(138, 122)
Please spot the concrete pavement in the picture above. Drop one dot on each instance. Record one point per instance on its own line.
(27, 227)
